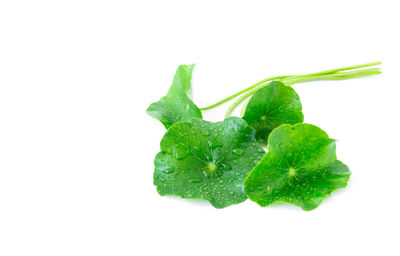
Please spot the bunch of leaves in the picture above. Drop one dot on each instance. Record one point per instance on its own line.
(224, 163)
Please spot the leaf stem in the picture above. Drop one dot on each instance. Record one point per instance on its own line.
(243, 91)
(305, 78)
(336, 76)
(331, 71)
(240, 100)
(260, 83)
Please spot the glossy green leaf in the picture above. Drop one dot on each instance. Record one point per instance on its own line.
(205, 160)
(271, 106)
(176, 105)
(300, 168)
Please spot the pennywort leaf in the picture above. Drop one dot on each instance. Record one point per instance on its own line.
(271, 106)
(300, 168)
(206, 160)
(177, 104)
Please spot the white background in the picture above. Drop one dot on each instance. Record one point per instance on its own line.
(77, 148)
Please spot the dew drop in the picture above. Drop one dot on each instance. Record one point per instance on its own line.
(237, 151)
(168, 171)
(282, 146)
(205, 132)
(227, 166)
(216, 145)
(195, 180)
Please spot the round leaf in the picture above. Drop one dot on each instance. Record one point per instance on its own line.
(300, 168)
(272, 106)
(176, 105)
(205, 160)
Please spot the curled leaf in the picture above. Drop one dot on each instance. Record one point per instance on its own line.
(176, 105)
(208, 161)
(272, 106)
(300, 168)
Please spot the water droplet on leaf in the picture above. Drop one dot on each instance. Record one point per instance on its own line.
(227, 166)
(168, 171)
(237, 151)
(205, 132)
(195, 180)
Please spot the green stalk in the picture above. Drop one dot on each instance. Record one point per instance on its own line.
(240, 100)
(243, 91)
(330, 71)
(306, 78)
(336, 76)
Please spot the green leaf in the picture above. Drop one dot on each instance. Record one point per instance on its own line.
(300, 168)
(205, 160)
(176, 105)
(271, 106)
